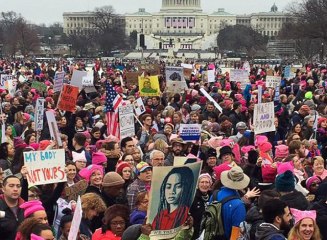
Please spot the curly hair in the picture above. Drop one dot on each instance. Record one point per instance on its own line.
(92, 201)
(294, 234)
(29, 226)
(112, 212)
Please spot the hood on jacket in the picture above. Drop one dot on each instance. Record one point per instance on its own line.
(266, 231)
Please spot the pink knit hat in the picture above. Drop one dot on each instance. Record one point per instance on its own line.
(310, 180)
(260, 139)
(87, 134)
(285, 166)
(31, 207)
(299, 215)
(86, 173)
(36, 237)
(214, 142)
(98, 158)
(281, 151)
(265, 146)
(246, 149)
(221, 168)
(35, 146)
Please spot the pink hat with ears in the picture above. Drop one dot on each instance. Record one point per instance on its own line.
(214, 142)
(300, 215)
(194, 92)
(265, 146)
(26, 116)
(98, 158)
(246, 149)
(260, 139)
(281, 151)
(31, 207)
(285, 166)
(86, 173)
(36, 237)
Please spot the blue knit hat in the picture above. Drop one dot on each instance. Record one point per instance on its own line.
(285, 182)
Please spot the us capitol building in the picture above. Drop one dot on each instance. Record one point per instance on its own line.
(183, 23)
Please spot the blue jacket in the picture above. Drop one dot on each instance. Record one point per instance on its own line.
(233, 211)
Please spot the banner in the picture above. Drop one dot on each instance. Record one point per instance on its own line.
(53, 127)
(76, 222)
(264, 117)
(190, 132)
(175, 80)
(139, 106)
(238, 75)
(149, 86)
(58, 81)
(171, 187)
(68, 98)
(211, 76)
(45, 167)
(273, 81)
(126, 121)
(41, 87)
(77, 78)
(39, 114)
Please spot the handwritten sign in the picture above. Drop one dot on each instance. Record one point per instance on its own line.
(39, 114)
(272, 81)
(126, 121)
(41, 87)
(3, 79)
(45, 167)
(77, 78)
(175, 79)
(239, 75)
(77, 218)
(264, 114)
(53, 127)
(211, 76)
(68, 98)
(139, 106)
(190, 132)
(58, 81)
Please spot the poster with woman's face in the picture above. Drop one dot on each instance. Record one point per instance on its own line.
(171, 196)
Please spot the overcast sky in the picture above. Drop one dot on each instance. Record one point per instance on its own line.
(44, 11)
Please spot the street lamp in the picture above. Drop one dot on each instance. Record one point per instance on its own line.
(322, 53)
(1, 45)
(50, 45)
(70, 49)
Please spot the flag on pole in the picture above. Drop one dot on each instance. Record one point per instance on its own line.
(113, 101)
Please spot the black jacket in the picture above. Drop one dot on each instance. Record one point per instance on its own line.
(296, 200)
(267, 231)
(9, 224)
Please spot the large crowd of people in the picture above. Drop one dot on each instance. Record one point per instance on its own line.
(276, 181)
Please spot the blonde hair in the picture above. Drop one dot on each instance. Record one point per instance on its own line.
(294, 234)
(319, 159)
(160, 145)
(92, 201)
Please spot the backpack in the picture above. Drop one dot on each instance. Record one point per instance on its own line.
(212, 222)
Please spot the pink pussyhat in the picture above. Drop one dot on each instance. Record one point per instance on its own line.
(299, 215)
(36, 237)
(31, 207)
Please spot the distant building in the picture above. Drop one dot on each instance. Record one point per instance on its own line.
(181, 24)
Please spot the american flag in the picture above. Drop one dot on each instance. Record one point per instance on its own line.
(113, 101)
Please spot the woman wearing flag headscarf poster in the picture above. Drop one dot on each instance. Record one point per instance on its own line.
(172, 194)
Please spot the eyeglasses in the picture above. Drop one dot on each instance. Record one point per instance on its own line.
(34, 196)
(121, 223)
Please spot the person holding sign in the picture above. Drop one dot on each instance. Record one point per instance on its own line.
(175, 201)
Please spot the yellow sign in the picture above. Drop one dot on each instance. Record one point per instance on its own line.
(149, 86)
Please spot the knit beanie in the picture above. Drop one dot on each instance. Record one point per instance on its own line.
(205, 175)
(265, 146)
(285, 182)
(112, 179)
(121, 166)
(86, 173)
(31, 207)
(281, 151)
(79, 156)
(285, 166)
(98, 158)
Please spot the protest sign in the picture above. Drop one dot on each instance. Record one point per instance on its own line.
(139, 106)
(273, 81)
(276, 98)
(246, 66)
(211, 76)
(175, 79)
(132, 78)
(238, 75)
(87, 81)
(190, 132)
(77, 78)
(187, 70)
(53, 127)
(58, 81)
(76, 222)
(126, 121)
(3, 79)
(164, 223)
(149, 86)
(152, 69)
(41, 87)
(264, 116)
(211, 99)
(39, 114)
(8, 82)
(68, 97)
(287, 72)
(3, 130)
(45, 167)
(259, 94)
(180, 161)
